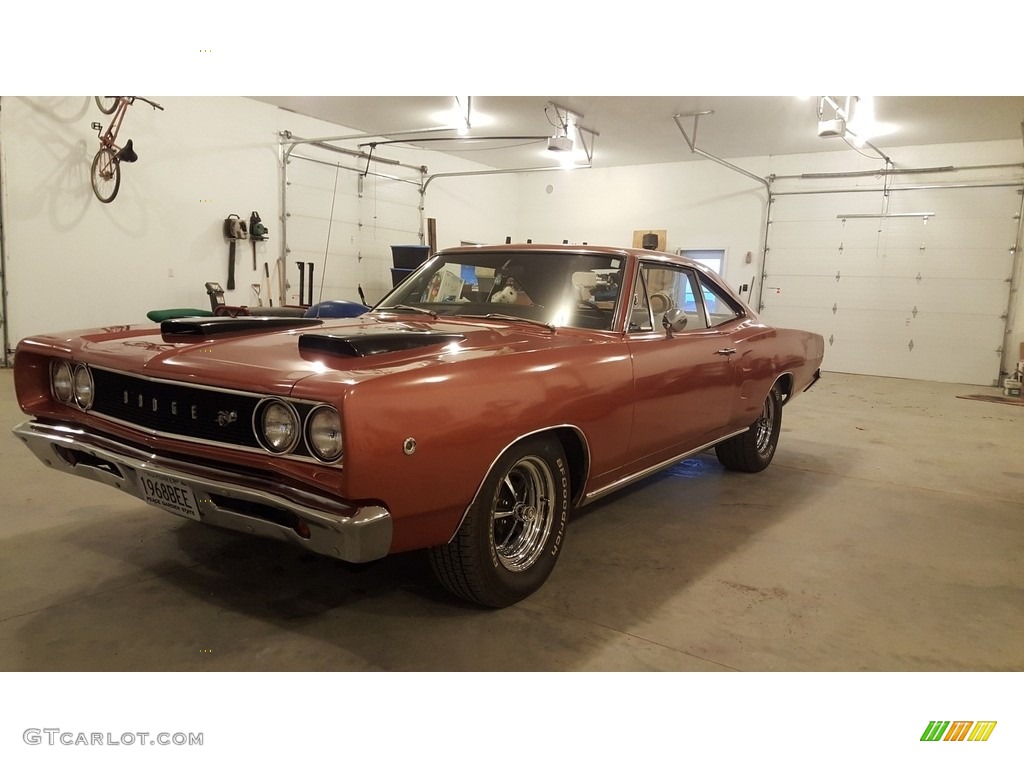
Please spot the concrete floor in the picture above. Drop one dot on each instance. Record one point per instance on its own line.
(887, 535)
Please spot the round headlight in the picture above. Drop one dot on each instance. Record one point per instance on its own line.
(323, 433)
(61, 379)
(83, 387)
(279, 425)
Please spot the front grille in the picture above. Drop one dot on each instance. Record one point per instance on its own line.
(210, 415)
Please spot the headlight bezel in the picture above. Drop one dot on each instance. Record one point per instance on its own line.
(307, 431)
(260, 431)
(85, 403)
(62, 365)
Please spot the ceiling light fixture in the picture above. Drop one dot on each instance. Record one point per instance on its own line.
(566, 118)
(853, 120)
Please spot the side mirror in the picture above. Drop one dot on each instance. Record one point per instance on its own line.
(673, 321)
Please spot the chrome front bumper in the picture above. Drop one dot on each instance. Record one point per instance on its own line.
(225, 498)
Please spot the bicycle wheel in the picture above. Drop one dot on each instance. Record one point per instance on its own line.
(107, 104)
(106, 175)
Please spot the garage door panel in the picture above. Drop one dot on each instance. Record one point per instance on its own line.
(346, 226)
(957, 202)
(824, 207)
(946, 263)
(806, 235)
(797, 290)
(902, 296)
(804, 261)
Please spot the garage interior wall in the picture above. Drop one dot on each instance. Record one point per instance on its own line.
(967, 262)
(74, 262)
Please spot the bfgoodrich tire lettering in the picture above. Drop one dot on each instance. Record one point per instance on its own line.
(510, 540)
(754, 449)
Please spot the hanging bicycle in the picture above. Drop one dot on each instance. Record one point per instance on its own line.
(106, 165)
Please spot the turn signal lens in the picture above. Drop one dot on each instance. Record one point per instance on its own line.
(83, 387)
(323, 433)
(62, 381)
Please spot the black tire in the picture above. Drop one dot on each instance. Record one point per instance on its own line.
(754, 449)
(106, 175)
(107, 104)
(512, 535)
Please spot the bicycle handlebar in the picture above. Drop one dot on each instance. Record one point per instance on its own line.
(131, 99)
(153, 104)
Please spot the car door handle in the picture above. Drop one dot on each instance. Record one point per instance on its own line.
(727, 351)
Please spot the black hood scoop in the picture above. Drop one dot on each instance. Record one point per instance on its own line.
(208, 327)
(363, 344)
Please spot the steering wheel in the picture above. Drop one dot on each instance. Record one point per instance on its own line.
(592, 305)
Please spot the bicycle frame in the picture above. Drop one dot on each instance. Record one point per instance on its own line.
(108, 138)
(106, 164)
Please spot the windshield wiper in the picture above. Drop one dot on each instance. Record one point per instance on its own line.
(421, 310)
(514, 318)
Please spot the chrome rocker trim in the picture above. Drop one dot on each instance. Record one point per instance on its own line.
(352, 534)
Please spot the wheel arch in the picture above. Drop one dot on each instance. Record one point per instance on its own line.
(785, 385)
(577, 455)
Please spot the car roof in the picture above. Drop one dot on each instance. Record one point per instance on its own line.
(597, 250)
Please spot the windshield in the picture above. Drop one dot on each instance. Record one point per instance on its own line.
(558, 289)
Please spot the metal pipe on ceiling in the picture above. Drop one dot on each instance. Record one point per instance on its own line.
(895, 171)
(904, 188)
(693, 148)
(499, 171)
(360, 171)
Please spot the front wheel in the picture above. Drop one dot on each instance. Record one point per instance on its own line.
(753, 450)
(107, 104)
(512, 535)
(106, 175)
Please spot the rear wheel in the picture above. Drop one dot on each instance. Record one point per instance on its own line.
(512, 535)
(754, 449)
(106, 175)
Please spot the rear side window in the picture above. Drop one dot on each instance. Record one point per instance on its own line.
(662, 288)
(720, 306)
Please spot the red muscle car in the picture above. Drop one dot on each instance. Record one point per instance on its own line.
(493, 391)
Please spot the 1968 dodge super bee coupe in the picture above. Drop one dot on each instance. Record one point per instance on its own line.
(492, 392)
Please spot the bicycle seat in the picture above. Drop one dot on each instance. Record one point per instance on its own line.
(127, 154)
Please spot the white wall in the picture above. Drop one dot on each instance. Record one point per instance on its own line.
(700, 204)
(73, 262)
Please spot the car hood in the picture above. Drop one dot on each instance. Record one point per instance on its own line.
(254, 354)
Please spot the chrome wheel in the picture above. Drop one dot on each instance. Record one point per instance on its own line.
(522, 515)
(765, 426)
(754, 449)
(515, 529)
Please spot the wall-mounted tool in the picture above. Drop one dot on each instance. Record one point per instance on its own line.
(257, 233)
(234, 230)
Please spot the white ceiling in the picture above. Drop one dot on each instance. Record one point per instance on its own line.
(635, 130)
